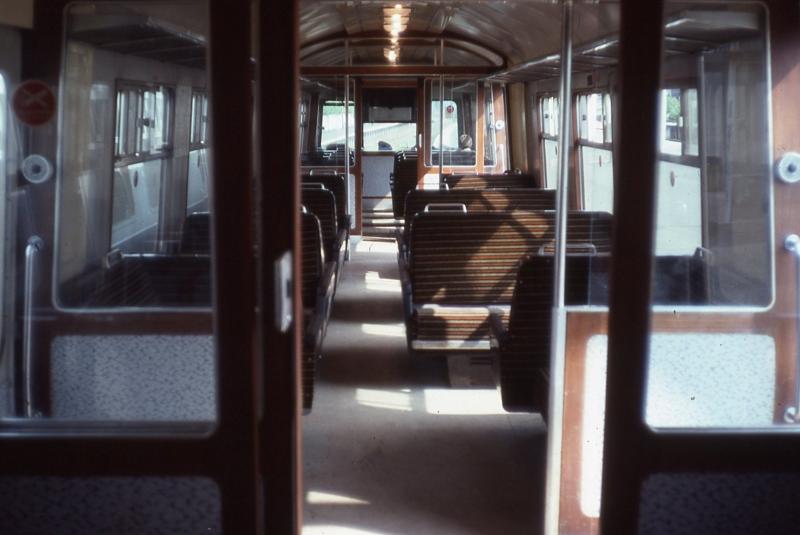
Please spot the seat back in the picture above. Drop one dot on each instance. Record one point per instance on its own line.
(482, 200)
(404, 179)
(525, 354)
(335, 184)
(195, 234)
(473, 258)
(322, 204)
(313, 257)
(487, 181)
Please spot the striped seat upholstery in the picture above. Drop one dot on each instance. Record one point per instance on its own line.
(322, 204)
(403, 180)
(478, 200)
(486, 181)
(313, 268)
(462, 265)
(483, 200)
(334, 184)
(525, 348)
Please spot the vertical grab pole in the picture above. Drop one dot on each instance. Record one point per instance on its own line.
(35, 245)
(441, 126)
(347, 156)
(558, 323)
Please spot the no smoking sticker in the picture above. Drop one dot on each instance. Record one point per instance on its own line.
(34, 103)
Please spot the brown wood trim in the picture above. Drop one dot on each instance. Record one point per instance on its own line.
(395, 70)
(480, 128)
(389, 82)
(500, 101)
(583, 325)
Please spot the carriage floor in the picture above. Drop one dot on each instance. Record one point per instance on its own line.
(389, 448)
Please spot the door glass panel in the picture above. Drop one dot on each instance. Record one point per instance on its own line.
(114, 321)
(719, 363)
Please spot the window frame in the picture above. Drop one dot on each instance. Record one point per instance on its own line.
(198, 131)
(122, 157)
(691, 160)
(428, 131)
(544, 133)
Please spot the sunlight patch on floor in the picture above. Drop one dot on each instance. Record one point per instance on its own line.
(375, 246)
(468, 402)
(383, 399)
(376, 283)
(316, 497)
(392, 330)
(338, 530)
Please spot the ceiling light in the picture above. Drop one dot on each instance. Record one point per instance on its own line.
(396, 18)
(394, 32)
(398, 6)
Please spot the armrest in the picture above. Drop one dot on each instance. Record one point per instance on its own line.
(499, 331)
(399, 237)
(345, 222)
(312, 331)
(405, 287)
(327, 283)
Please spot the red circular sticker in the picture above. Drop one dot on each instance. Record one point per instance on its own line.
(34, 103)
(450, 108)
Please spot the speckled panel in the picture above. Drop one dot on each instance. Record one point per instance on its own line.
(144, 378)
(720, 504)
(119, 506)
(695, 380)
(707, 380)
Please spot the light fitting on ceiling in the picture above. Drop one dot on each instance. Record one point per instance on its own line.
(395, 21)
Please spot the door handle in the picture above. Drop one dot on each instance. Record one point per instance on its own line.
(792, 244)
(32, 250)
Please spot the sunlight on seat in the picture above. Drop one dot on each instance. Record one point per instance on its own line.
(471, 402)
(338, 530)
(377, 284)
(316, 497)
(393, 330)
(382, 399)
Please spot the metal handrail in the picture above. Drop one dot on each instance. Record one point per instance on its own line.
(792, 244)
(35, 245)
(446, 207)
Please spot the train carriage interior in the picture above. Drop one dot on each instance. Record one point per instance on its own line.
(360, 267)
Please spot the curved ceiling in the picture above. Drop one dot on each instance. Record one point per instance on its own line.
(518, 30)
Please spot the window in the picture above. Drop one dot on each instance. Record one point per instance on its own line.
(453, 122)
(679, 225)
(333, 125)
(199, 124)
(302, 120)
(142, 143)
(143, 122)
(197, 179)
(494, 118)
(390, 119)
(594, 150)
(548, 119)
(679, 122)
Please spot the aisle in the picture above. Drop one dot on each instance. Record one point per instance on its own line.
(390, 449)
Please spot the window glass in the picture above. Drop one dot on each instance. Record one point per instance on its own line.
(671, 122)
(142, 131)
(197, 179)
(691, 145)
(490, 118)
(333, 124)
(597, 174)
(548, 119)
(453, 122)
